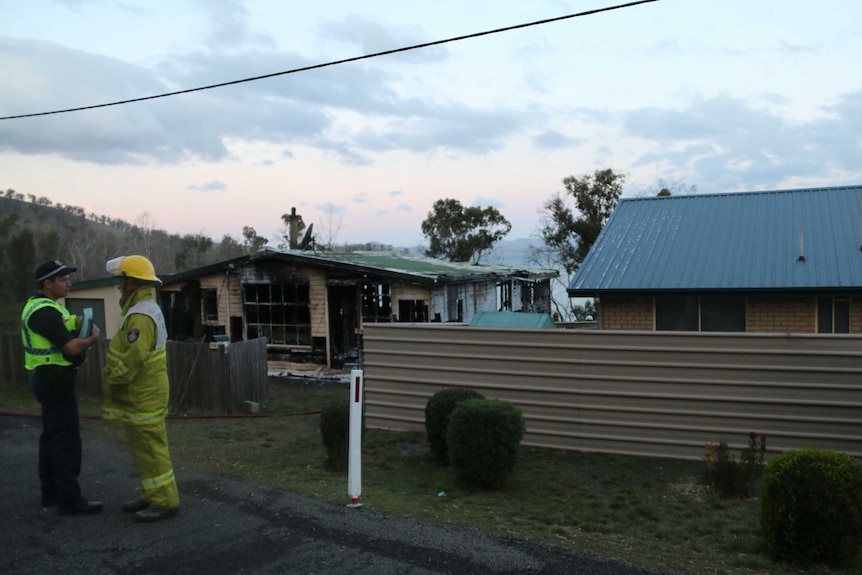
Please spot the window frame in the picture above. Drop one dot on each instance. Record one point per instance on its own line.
(376, 302)
(691, 309)
(829, 308)
(279, 312)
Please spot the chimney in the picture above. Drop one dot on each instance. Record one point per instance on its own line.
(293, 229)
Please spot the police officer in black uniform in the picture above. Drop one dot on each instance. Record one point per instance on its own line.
(53, 352)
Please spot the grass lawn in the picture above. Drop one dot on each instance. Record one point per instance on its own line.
(651, 512)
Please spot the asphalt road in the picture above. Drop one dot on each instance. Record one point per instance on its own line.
(232, 527)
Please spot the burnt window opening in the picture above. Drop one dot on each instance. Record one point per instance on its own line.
(528, 297)
(280, 313)
(376, 303)
(412, 310)
(833, 315)
(504, 296)
(460, 311)
(209, 305)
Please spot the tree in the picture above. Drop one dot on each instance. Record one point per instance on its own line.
(251, 241)
(292, 219)
(460, 234)
(192, 251)
(21, 259)
(229, 248)
(568, 232)
(146, 224)
(662, 187)
(569, 236)
(586, 312)
(330, 227)
(48, 245)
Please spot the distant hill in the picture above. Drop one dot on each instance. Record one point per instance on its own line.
(35, 229)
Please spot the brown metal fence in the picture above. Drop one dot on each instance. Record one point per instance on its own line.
(203, 380)
(642, 393)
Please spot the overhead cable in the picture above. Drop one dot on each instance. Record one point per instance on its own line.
(336, 62)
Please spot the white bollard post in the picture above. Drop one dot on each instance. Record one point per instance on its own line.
(354, 461)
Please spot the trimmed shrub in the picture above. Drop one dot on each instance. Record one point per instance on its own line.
(729, 477)
(811, 507)
(335, 432)
(484, 435)
(437, 412)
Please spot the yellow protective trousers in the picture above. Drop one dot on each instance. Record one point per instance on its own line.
(149, 447)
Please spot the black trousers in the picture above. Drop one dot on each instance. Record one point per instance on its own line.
(60, 441)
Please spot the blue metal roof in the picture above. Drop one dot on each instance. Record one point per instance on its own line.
(734, 241)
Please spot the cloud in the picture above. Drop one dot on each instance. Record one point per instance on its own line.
(727, 144)
(554, 140)
(422, 129)
(360, 198)
(330, 208)
(403, 208)
(371, 38)
(214, 186)
(317, 108)
(229, 26)
(395, 193)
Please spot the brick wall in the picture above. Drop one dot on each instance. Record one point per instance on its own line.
(855, 315)
(783, 315)
(626, 313)
(764, 315)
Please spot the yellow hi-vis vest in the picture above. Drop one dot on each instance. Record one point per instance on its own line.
(37, 349)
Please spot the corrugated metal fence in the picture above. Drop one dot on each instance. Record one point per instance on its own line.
(642, 393)
(203, 380)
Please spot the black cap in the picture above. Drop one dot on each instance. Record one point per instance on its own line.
(52, 268)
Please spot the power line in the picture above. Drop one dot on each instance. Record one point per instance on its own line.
(336, 62)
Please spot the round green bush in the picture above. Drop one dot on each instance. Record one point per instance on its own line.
(437, 412)
(484, 435)
(335, 432)
(811, 507)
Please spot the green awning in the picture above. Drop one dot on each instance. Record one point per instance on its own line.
(512, 319)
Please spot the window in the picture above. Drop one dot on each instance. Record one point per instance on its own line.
(279, 313)
(676, 314)
(504, 296)
(376, 302)
(412, 310)
(209, 303)
(709, 313)
(833, 315)
(722, 313)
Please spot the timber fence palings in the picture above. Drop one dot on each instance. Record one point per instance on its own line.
(663, 394)
(203, 380)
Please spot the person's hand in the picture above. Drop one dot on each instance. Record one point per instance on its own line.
(95, 331)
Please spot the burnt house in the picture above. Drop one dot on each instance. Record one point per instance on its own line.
(311, 306)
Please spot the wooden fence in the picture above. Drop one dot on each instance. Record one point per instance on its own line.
(203, 380)
(641, 393)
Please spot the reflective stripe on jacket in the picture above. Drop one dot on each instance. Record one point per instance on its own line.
(38, 350)
(136, 389)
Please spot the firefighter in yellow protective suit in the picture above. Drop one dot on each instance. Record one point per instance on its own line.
(136, 389)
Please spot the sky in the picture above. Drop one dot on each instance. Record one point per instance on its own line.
(721, 95)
